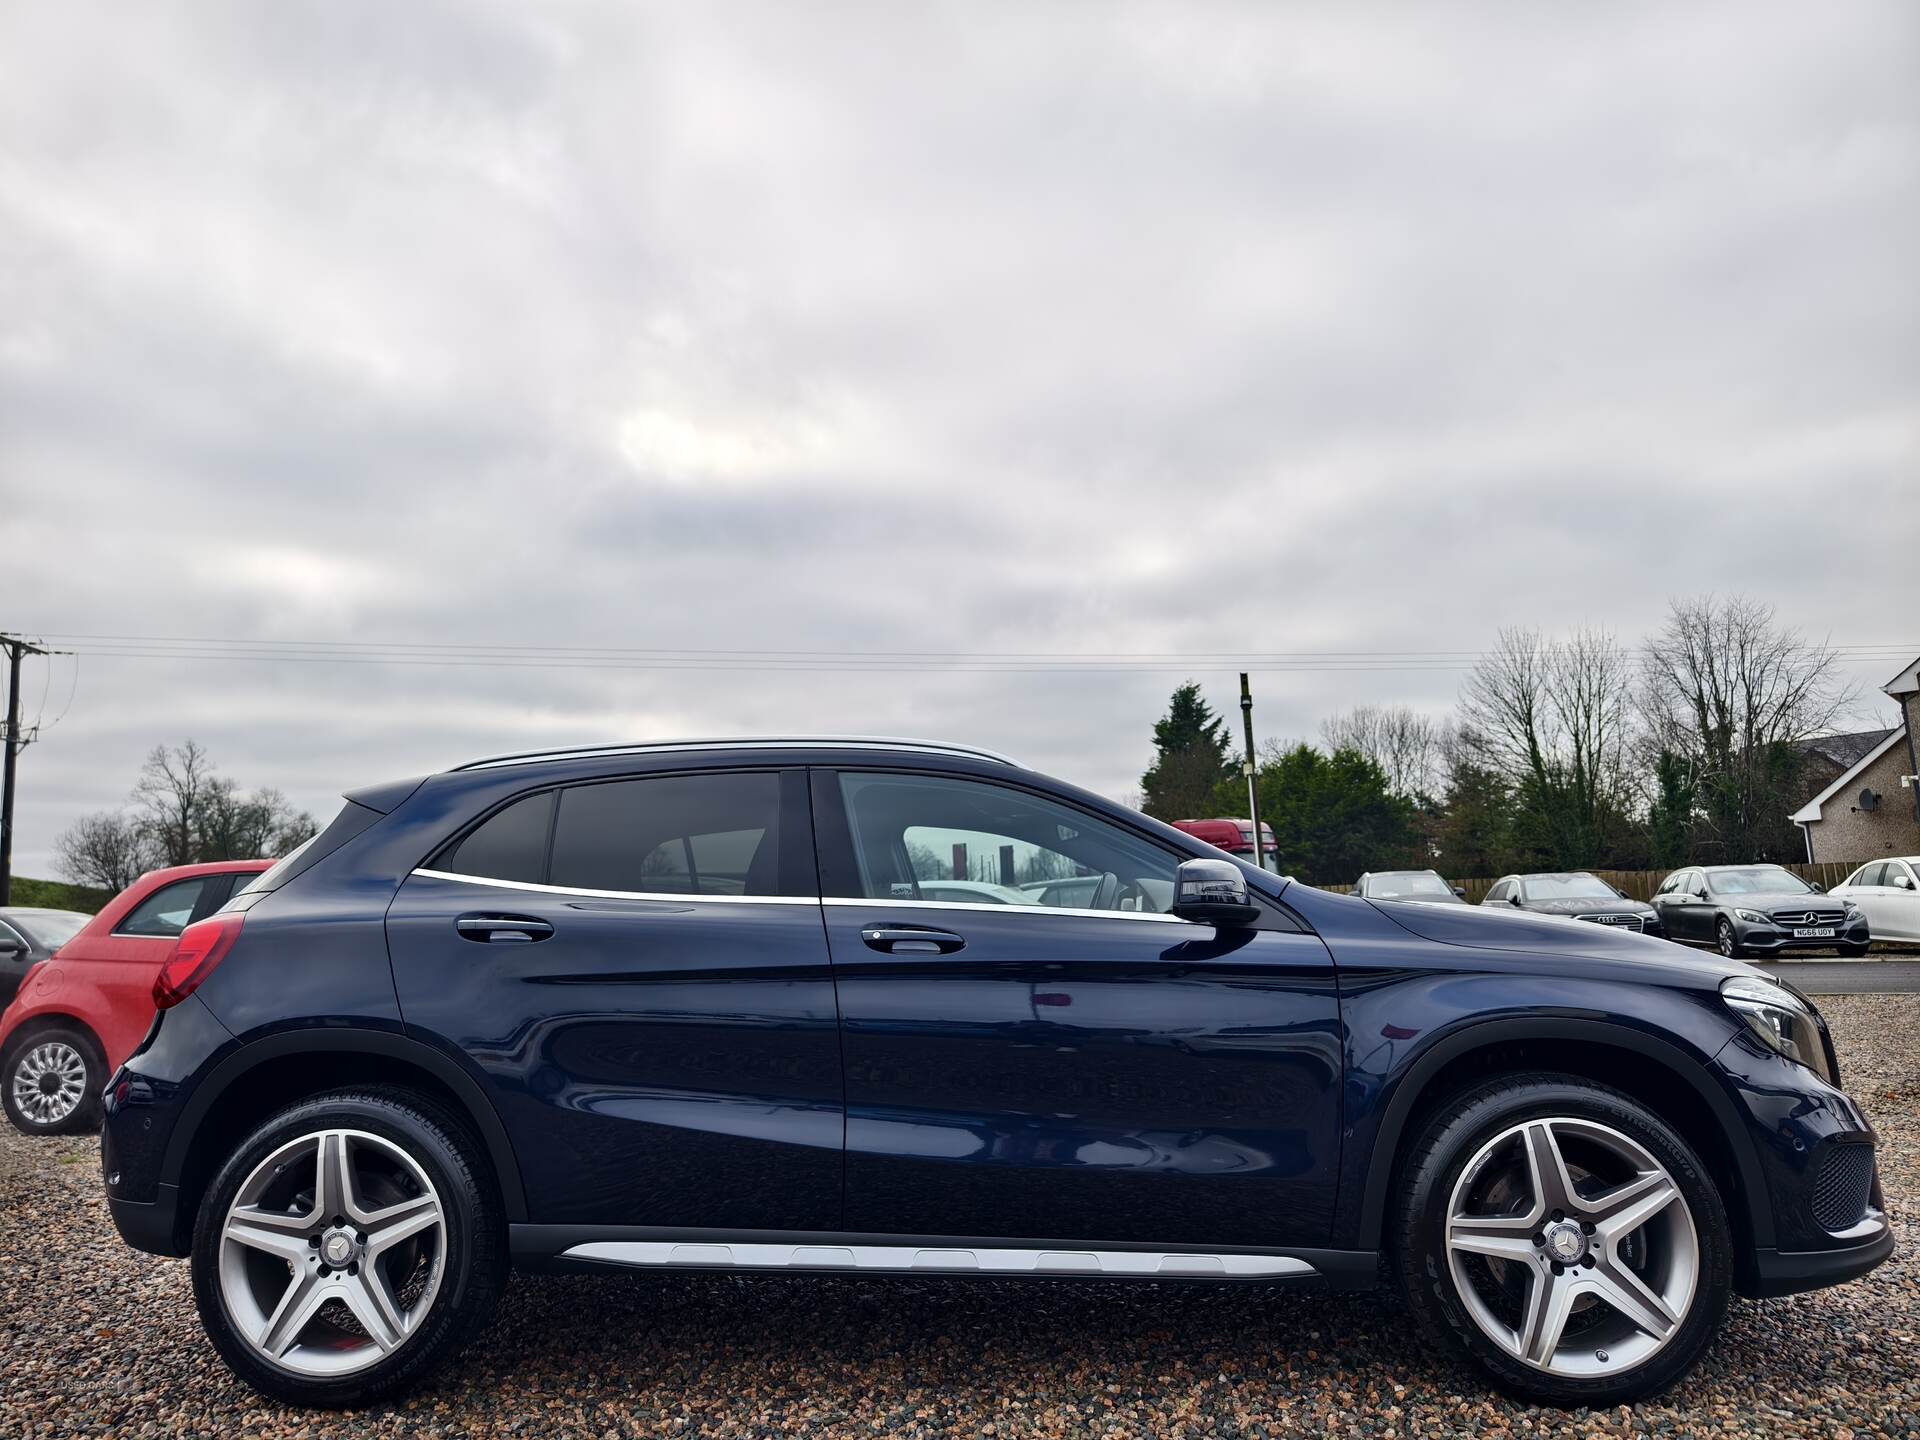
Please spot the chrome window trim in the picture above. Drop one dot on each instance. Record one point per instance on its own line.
(879, 743)
(683, 897)
(938, 1259)
(989, 909)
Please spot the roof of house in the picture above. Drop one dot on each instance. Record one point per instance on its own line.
(1907, 682)
(1808, 813)
(1843, 750)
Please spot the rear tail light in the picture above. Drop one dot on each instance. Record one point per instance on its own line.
(199, 948)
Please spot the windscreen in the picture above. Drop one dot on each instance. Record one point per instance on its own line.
(1567, 887)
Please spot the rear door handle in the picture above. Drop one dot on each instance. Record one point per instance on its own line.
(909, 940)
(502, 929)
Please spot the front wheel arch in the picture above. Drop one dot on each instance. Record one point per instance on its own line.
(1644, 1066)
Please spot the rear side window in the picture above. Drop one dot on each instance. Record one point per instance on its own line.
(166, 911)
(1870, 874)
(671, 834)
(509, 845)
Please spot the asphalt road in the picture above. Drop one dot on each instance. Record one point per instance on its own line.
(1850, 977)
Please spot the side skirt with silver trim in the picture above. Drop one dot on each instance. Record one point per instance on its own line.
(921, 1260)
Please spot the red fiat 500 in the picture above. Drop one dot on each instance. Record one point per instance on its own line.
(78, 1015)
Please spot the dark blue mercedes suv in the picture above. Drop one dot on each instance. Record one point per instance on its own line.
(692, 1005)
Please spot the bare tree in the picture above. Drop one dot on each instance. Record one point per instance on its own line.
(1731, 691)
(1410, 748)
(109, 850)
(1554, 721)
(235, 825)
(172, 794)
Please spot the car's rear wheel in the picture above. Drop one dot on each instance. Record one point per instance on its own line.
(349, 1246)
(50, 1082)
(1560, 1237)
(1727, 939)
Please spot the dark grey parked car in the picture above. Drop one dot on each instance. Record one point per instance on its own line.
(28, 936)
(1757, 910)
(1577, 895)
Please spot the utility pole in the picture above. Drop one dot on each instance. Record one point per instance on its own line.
(1248, 769)
(15, 648)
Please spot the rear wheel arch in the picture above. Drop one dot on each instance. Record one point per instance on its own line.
(50, 1020)
(1653, 1071)
(267, 1075)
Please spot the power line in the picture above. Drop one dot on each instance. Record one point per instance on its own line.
(449, 655)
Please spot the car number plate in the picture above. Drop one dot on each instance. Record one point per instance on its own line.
(1809, 932)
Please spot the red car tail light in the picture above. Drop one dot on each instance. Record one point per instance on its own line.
(199, 948)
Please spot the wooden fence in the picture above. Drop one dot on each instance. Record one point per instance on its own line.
(1640, 884)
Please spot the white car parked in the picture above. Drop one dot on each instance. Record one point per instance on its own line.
(1888, 891)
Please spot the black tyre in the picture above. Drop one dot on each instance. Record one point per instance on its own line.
(51, 1079)
(348, 1247)
(1562, 1239)
(1727, 939)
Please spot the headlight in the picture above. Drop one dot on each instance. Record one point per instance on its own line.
(1754, 917)
(1781, 1020)
(1851, 910)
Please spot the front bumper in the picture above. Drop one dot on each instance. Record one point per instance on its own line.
(1772, 940)
(1788, 1272)
(1824, 1208)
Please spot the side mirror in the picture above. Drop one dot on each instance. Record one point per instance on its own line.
(1514, 900)
(1819, 889)
(1461, 891)
(1212, 892)
(1903, 882)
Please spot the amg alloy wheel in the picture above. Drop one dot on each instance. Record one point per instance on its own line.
(332, 1252)
(350, 1245)
(1580, 1268)
(1564, 1239)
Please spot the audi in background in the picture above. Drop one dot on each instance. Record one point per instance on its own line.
(1760, 910)
(1887, 892)
(1576, 895)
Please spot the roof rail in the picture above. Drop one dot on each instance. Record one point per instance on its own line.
(742, 742)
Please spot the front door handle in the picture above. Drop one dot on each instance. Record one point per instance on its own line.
(502, 929)
(910, 940)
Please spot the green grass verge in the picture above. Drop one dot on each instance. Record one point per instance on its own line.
(57, 895)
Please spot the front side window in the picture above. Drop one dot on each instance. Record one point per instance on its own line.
(165, 912)
(915, 834)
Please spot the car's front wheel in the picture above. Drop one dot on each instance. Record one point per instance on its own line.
(1728, 939)
(50, 1082)
(350, 1245)
(1565, 1240)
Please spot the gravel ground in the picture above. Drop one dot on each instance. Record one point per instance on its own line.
(96, 1339)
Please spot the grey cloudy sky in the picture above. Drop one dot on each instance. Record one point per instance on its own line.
(906, 328)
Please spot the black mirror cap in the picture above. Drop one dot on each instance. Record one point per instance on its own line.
(1461, 891)
(1212, 892)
